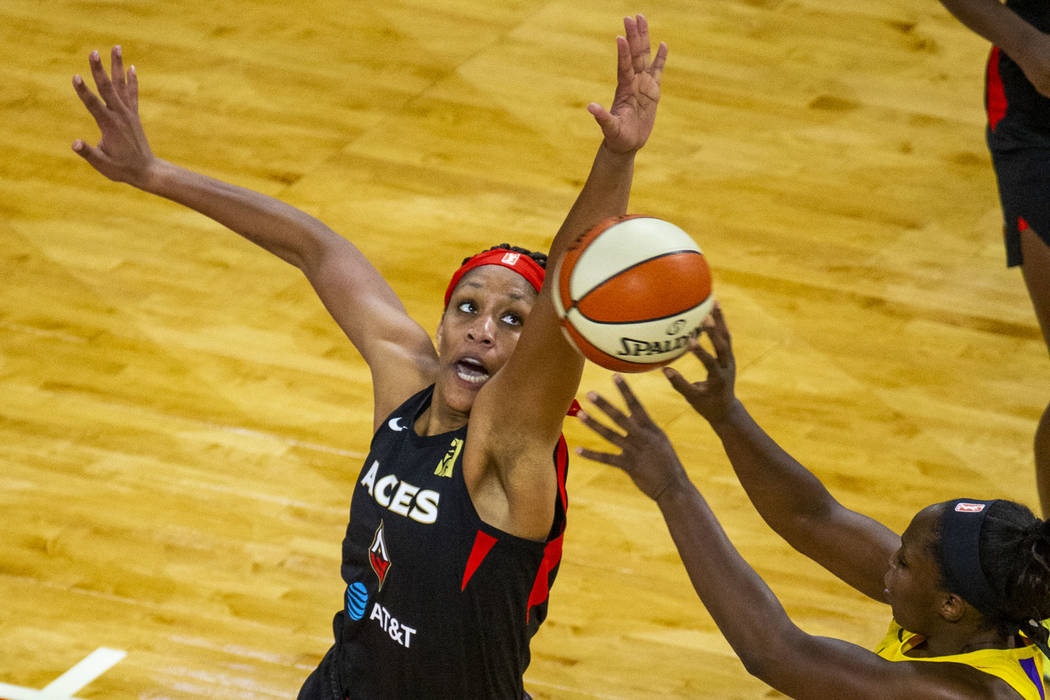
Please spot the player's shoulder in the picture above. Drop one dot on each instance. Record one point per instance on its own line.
(398, 376)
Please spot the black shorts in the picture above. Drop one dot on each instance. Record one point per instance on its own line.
(1018, 137)
(323, 683)
(1024, 192)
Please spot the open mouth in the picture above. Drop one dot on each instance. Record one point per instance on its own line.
(471, 371)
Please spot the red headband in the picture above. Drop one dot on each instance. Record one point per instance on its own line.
(519, 262)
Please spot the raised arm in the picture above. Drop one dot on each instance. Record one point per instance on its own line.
(517, 418)
(771, 647)
(533, 391)
(1028, 46)
(398, 351)
(788, 496)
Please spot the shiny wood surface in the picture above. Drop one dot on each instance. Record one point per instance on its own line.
(181, 423)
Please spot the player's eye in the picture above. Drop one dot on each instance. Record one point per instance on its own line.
(512, 319)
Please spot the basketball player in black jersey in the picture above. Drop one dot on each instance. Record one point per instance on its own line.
(456, 517)
(1017, 99)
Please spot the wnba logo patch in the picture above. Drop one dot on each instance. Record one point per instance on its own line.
(378, 557)
(969, 507)
(444, 467)
(356, 600)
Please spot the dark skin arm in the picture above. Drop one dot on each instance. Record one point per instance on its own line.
(746, 611)
(1028, 46)
(788, 496)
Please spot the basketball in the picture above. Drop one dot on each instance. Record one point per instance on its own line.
(632, 291)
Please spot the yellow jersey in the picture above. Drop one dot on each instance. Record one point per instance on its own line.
(1021, 668)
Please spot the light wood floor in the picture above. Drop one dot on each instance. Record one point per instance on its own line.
(181, 423)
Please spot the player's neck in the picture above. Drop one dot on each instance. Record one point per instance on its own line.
(438, 419)
(949, 643)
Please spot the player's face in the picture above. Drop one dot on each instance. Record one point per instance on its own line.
(480, 329)
(913, 579)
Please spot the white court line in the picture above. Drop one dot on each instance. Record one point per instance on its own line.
(62, 688)
(94, 665)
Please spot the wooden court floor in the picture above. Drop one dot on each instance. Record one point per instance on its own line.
(181, 423)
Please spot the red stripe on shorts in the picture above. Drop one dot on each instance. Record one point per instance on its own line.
(995, 95)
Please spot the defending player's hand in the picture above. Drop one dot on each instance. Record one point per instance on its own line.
(628, 123)
(123, 153)
(714, 397)
(645, 452)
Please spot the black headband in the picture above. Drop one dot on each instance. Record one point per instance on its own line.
(961, 524)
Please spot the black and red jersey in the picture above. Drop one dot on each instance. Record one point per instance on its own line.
(438, 604)
(1018, 136)
(1011, 100)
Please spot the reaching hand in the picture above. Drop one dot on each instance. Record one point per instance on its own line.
(123, 153)
(628, 123)
(646, 454)
(714, 397)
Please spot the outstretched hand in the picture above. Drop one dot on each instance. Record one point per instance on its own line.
(645, 452)
(123, 153)
(714, 397)
(628, 123)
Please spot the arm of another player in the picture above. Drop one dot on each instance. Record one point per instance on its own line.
(788, 496)
(1028, 46)
(353, 291)
(752, 619)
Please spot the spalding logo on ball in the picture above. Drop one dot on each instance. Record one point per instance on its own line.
(632, 291)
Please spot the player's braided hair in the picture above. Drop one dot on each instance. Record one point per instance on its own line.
(1015, 558)
(539, 258)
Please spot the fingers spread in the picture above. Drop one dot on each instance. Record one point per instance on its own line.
(680, 383)
(600, 113)
(637, 30)
(102, 81)
(133, 90)
(614, 413)
(657, 68)
(607, 433)
(624, 62)
(633, 404)
(703, 355)
(93, 104)
(117, 70)
(603, 457)
(719, 335)
(608, 123)
(89, 153)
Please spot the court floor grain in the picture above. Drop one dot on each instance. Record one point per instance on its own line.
(181, 423)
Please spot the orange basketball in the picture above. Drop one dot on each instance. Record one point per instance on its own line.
(632, 291)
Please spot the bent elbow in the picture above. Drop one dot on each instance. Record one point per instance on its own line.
(756, 664)
(779, 659)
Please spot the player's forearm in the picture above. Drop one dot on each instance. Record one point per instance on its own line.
(746, 611)
(605, 193)
(285, 231)
(995, 22)
(783, 491)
